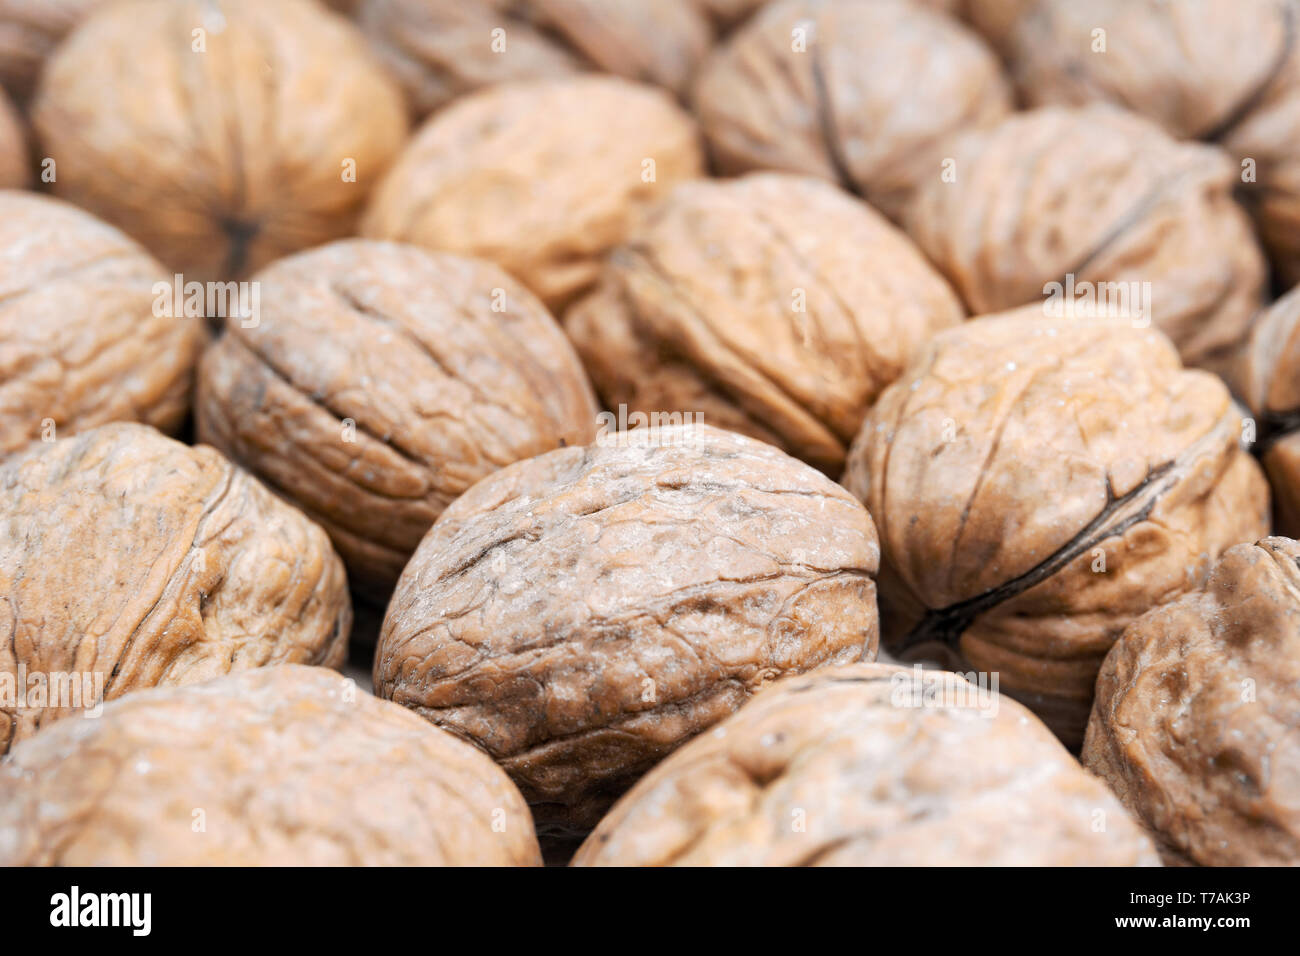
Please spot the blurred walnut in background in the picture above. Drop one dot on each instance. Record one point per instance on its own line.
(773, 305)
(29, 32)
(14, 172)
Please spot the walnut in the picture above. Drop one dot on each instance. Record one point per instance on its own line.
(1196, 710)
(580, 614)
(540, 177)
(80, 342)
(29, 31)
(280, 766)
(1100, 201)
(773, 305)
(442, 49)
(14, 173)
(129, 560)
(220, 135)
(1040, 483)
(854, 766)
(866, 93)
(382, 381)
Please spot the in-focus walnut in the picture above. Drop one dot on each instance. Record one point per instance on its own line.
(283, 766)
(773, 305)
(1194, 726)
(382, 381)
(1107, 198)
(219, 159)
(29, 31)
(863, 92)
(1040, 483)
(858, 766)
(14, 172)
(129, 560)
(540, 177)
(80, 343)
(580, 614)
(442, 49)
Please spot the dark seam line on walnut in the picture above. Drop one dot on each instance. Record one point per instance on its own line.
(826, 120)
(1238, 113)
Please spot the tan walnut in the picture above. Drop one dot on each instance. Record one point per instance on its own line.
(1037, 485)
(14, 171)
(855, 766)
(1197, 706)
(281, 766)
(81, 342)
(542, 178)
(129, 560)
(772, 305)
(866, 93)
(580, 614)
(220, 135)
(380, 382)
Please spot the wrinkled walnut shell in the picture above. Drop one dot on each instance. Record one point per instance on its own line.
(855, 766)
(773, 305)
(581, 614)
(130, 556)
(281, 766)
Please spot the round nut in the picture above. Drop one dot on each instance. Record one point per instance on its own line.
(580, 614)
(773, 305)
(1038, 484)
(1197, 707)
(29, 31)
(129, 560)
(541, 177)
(14, 173)
(179, 122)
(853, 766)
(380, 382)
(281, 766)
(861, 92)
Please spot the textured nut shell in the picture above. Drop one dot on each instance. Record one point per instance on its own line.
(542, 178)
(1011, 455)
(874, 780)
(14, 173)
(127, 554)
(291, 766)
(1103, 195)
(872, 103)
(218, 162)
(1196, 712)
(406, 345)
(695, 312)
(29, 31)
(442, 49)
(80, 344)
(580, 614)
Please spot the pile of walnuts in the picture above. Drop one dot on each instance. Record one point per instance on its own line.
(702, 424)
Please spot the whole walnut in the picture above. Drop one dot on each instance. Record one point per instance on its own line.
(283, 766)
(580, 614)
(540, 177)
(442, 49)
(1040, 483)
(870, 765)
(129, 560)
(380, 382)
(220, 135)
(29, 31)
(1102, 203)
(866, 93)
(14, 173)
(1196, 712)
(80, 341)
(773, 305)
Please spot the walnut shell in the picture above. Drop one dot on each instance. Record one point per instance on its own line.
(580, 614)
(80, 342)
(129, 560)
(696, 312)
(866, 93)
(380, 383)
(14, 173)
(1106, 197)
(1040, 483)
(542, 178)
(281, 766)
(1196, 711)
(222, 160)
(853, 766)
(29, 31)
(442, 49)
